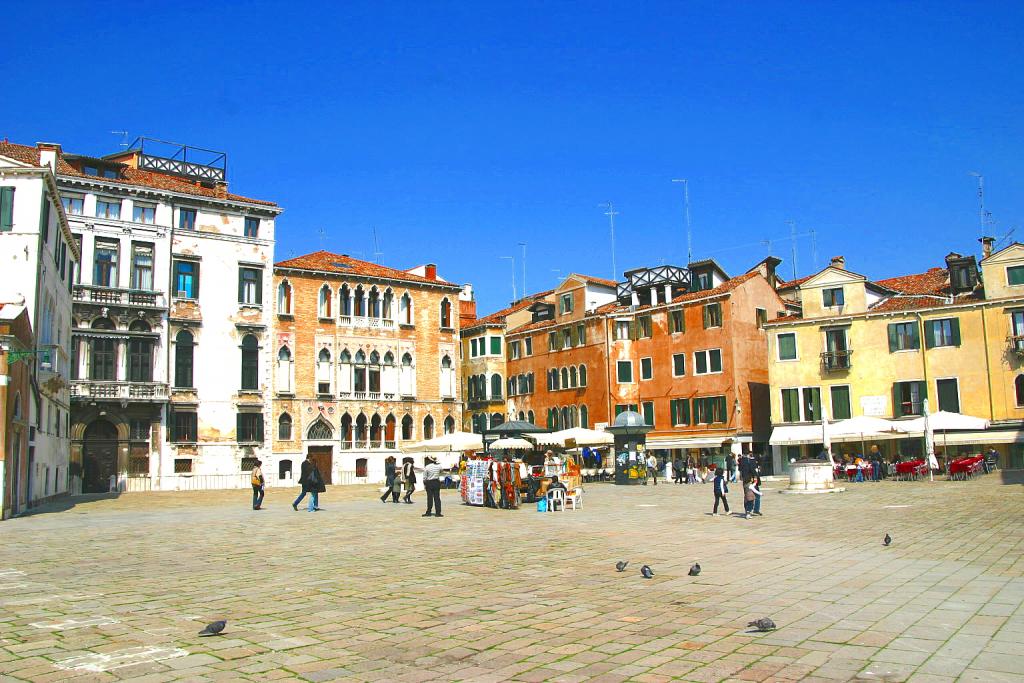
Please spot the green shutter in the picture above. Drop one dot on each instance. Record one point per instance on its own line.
(241, 286)
(6, 209)
(723, 415)
(955, 326)
(893, 343)
(897, 407)
(915, 339)
(648, 407)
(929, 333)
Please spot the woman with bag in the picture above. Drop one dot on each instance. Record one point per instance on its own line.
(392, 487)
(257, 486)
(312, 483)
(408, 479)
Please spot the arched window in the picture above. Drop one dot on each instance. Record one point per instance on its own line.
(284, 427)
(1018, 385)
(583, 375)
(374, 306)
(284, 469)
(446, 362)
(428, 427)
(319, 431)
(346, 357)
(446, 313)
(389, 358)
(574, 416)
(323, 372)
(361, 431)
(103, 324)
(389, 431)
(346, 431)
(572, 376)
(405, 309)
(565, 378)
(511, 386)
(555, 380)
(284, 370)
(360, 357)
(184, 353)
(522, 416)
(495, 387)
(17, 406)
(359, 372)
(324, 302)
(284, 298)
(345, 300)
(375, 431)
(374, 358)
(449, 425)
(388, 304)
(407, 428)
(250, 363)
(407, 377)
(565, 418)
(496, 419)
(530, 417)
(360, 301)
(584, 417)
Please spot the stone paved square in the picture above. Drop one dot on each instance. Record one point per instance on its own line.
(112, 589)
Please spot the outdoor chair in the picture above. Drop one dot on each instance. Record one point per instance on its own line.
(575, 498)
(556, 497)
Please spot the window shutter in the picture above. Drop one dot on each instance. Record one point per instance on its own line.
(915, 340)
(893, 344)
(955, 327)
(929, 333)
(632, 330)
(6, 209)
(923, 389)
(897, 407)
(241, 286)
(259, 286)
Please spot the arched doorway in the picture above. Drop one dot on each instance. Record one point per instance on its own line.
(99, 457)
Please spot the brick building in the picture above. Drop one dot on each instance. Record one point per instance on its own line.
(366, 358)
(683, 346)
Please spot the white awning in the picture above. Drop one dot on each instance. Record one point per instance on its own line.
(697, 441)
(795, 435)
(987, 436)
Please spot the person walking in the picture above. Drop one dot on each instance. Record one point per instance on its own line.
(875, 458)
(757, 495)
(730, 467)
(432, 485)
(257, 486)
(392, 486)
(678, 471)
(721, 488)
(408, 479)
(652, 468)
(750, 495)
(312, 483)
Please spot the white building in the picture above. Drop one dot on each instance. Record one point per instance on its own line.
(167, 366)
(38, 258)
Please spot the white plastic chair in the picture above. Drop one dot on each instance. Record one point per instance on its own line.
(575, 498)
(556, 496)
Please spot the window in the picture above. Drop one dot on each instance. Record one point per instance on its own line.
(832, 297)
(624, 371)
(949, 395)
(801, 405)
(252, 226)
(903, 337)
(446, 313)
(584, 417)
(250, 286)
(183, 465)
(528, 345)
(495, 387)
(676, 321)
(144, 213)
(565, 303)
(1018, 390)
(186, 219)
(140, 360)
(250, 363)
(404, 309)
(495, 346)
(73, 206)
(407, 428)
(679, 408)
(787, 346)
(105, 264)
(678, 364)
(582, 375)
(908, 398)
(567, 338)
(646, 369)
(249, 427)
(184, 348)
(701, 282)
(323, 372)
(581, 334)
(248, 464)
(840, 402)
(324, 302)
(428, 427)
(184, 427)
(320, 430)
(648, 413)
(514, 350)
(643, 325)
(142, 266)
(108, 208)
(621, 330)
(552, 341)
(284, 298)
(623, 407)
(761, 316)
(6, 209)
(944, 332)
(712, 315)
(102, 360)
(709, 410)
(707, 362)
(186, 279)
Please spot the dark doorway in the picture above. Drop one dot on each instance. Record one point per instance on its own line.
(99, 457)
(322, 456)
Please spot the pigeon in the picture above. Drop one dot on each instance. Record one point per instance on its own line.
(214, 629)
(621, 565)
(695, 569)
(887, 540)
(763, 624)
(646, 571)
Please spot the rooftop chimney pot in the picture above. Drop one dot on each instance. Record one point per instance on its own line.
(430, 271)
(839, 262)
(986, 246)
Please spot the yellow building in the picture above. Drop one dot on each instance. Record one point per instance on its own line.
(952, 335)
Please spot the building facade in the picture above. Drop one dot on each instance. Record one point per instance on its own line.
(40, 259)
(16, 363)
(953, 336)
(366, 358)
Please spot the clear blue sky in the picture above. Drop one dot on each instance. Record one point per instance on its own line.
(459, 130)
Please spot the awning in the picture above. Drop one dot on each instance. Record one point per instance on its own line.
(795, 435)
(698, 441)
(987, 436)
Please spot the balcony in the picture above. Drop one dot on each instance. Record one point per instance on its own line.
(363, 321)
(102, 390)
(1016, 344)
(107, 296)
(836, 361)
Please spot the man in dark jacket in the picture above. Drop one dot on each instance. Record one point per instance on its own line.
(312, 483)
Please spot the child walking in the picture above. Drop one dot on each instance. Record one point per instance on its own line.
(750, 496)
(721, 488)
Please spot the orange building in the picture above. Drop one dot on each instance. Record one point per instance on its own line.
(366, 358)
(16, 338)
(683, 346)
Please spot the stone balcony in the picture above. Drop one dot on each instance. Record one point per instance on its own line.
(102, 390)
(117, 296)
(362, 321)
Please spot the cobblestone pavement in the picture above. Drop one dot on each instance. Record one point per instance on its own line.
(113, 589)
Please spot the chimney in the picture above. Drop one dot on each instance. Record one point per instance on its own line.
(838, 262)
(220, 189)
(48, 152)
(430, 271)
(986, 246)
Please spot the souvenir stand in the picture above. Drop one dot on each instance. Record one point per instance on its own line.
(571, 443)
(496, 478)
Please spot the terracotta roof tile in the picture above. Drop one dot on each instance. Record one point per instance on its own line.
(498, 317)
(933, 281)
(726, 286)
(596, 280)
(786, 284)
(132, 176)
(341, 264)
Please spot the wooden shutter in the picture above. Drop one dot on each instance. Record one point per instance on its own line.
(893, 342)
(954, 325)
(6, 209)
(915, 340)
(929, 333)
(897, 405)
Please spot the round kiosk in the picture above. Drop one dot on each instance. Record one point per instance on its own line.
(630, 432)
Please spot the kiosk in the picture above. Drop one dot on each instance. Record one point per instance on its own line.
(630, 432)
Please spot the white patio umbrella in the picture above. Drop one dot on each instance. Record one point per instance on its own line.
(580, 435)
(863, 427)
(826, 439)
(942, 421)
(456, 441)
(511, 444)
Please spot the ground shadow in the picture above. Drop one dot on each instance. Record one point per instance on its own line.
(67, 502)
(1012, 476)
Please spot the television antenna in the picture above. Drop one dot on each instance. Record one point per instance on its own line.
(558, 273)
(1004, 239)
(377, 253)
(124, 137)
(512, 259)
(792, 237)
(984, 217)
(611, 213)
(689, 230)
(323, 237)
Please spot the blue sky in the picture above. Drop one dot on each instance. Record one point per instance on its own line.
(459, 130)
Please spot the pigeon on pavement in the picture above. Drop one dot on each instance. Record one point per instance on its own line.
(763, 624)
(621, 565)
(213, 629)
(887, 540)
(695, 569)
(646, 571)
